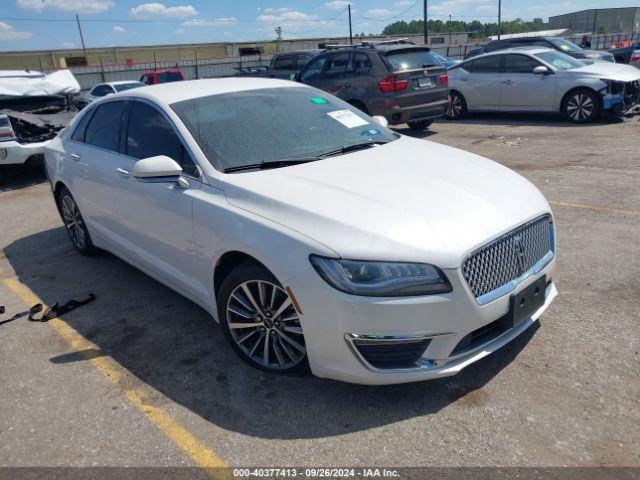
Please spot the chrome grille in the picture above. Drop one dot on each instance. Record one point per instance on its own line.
(508, 257)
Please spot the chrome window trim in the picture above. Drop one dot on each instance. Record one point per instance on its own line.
(513, 284)
(201, 178)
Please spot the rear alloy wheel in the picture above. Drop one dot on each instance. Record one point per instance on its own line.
(420, 125)
(260, 321)
(582, 106)
(74, 223)
(457, 107)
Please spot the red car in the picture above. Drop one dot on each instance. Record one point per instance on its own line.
(162, 76)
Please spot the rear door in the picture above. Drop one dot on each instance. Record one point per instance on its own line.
(524, 90)
(423, 75)
(482, 85)
(94, 152)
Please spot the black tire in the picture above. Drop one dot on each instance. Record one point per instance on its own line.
(359, 105)
(457, 107)
(270, 326)
(74, 224)
(420, 124)
(581, 106)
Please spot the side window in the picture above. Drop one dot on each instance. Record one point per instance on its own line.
(78, 133)
(144, 79)
(490, 64)
(302, 60)
(337, 64)
(312, 72)
(150, 134)
(103, 129)
(101, 90)
(285, 62)
(360, 63)
(520, 64)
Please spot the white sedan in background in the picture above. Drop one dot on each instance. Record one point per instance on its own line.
(313, 234)
(104, 89)
(535, 79)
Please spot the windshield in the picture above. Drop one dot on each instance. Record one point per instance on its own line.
(272, 124)
(401, 60)
(560, 61)
(121, 87)
(565, 45)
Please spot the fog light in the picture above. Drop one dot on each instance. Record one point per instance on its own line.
(3, 153)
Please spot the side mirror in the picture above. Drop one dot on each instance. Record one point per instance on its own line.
(381, 120)
(541, 70)
(159, 169)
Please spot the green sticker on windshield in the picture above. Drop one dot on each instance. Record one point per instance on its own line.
(318, 100)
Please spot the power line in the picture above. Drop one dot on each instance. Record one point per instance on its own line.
(193, 20)
(390, 18)
(326, 22)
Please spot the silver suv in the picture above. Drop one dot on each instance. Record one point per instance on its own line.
(398, 80)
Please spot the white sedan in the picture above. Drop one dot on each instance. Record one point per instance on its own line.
(109, 88)
(316, 237)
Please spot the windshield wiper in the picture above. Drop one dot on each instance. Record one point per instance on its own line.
(351, 148)
(270, 164)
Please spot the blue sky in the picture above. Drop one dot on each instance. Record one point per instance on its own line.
(36, 24)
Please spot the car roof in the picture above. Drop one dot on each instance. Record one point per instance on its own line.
(530, 50)
(120, 82)
(315, 51)
(168, 93)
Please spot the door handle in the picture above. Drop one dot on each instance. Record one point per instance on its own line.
(122, 172)
(347, 85)
(507, 82)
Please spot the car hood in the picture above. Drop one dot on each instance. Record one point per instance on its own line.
(609, 71)
(410, 200)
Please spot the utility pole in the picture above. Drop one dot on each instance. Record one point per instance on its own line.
(350, 28)
(84, 48)
(426, 28)
(278, 38)
(499, 18)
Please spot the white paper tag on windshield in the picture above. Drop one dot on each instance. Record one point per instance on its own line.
(348, 118)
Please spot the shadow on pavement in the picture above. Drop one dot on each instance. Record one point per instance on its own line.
(530, 119)
(176, 348)
(15, 177)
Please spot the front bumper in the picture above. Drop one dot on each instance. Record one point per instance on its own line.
(14, 153)
(331, 320)
(626, 98)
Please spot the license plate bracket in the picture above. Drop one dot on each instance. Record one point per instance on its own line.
(425, 83)
(525, 303)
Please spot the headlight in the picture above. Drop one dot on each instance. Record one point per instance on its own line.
(381, 279)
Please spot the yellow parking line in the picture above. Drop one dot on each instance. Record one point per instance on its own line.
(136, 391)
(630, 213)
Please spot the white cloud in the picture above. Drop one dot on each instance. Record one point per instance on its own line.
(179, 31)
(379, 12)
(68, 45)
(161, 10)
(452, 7)
(76, 6)
(7, 32)
(402, 3)
(198, 22)
(118, 29)
(337, 4)
(290, 20)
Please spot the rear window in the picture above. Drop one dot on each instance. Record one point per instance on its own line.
(285, 62)
(121, 87)
(401, 60)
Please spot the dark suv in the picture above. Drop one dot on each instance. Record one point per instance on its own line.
(400, 81)
(556, 43)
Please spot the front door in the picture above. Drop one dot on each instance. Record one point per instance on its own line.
(156, 220)
(524, 90)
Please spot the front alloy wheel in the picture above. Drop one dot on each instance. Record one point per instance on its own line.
(582, 106)
(261, 321)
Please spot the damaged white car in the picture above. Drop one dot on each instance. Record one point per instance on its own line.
(34, 107)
